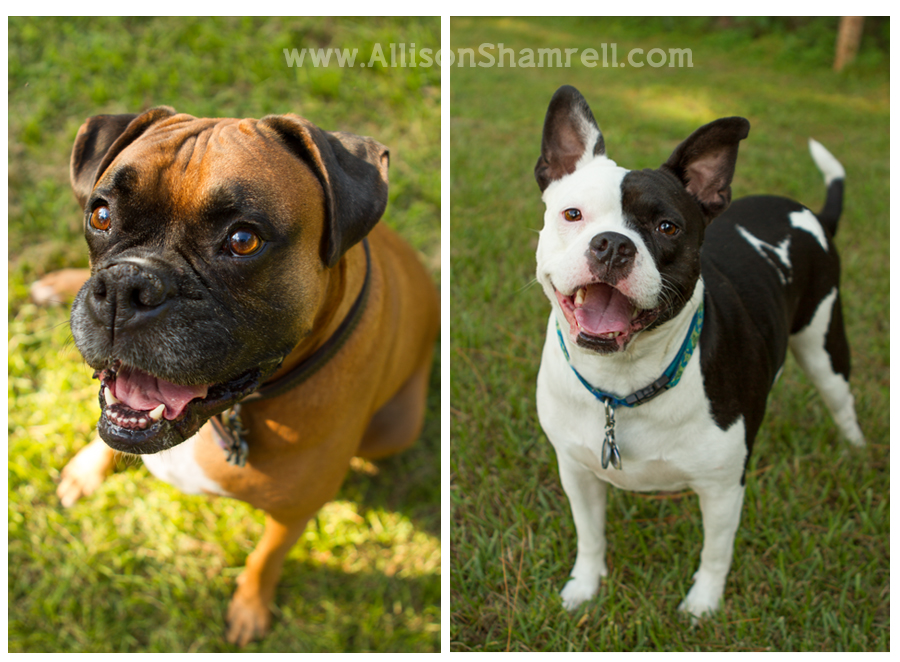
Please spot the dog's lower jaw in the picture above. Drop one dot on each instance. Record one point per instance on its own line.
(156, 433)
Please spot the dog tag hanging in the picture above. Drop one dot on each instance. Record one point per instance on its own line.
(237, 451)
(610, 452)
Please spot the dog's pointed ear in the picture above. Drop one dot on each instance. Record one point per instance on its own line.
(100, 139)
(353, 171)
(704, 163)
(570, 132)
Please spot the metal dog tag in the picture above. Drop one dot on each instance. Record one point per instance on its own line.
(237, 451)
(610, 452)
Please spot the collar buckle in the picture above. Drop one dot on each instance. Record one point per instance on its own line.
(648, 393)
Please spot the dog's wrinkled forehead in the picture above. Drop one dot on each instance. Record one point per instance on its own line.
(204, 163)
(209, 174)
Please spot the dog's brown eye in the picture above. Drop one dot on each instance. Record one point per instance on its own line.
(244, 243)
(572, 214)
(101, 219)
(668, 228)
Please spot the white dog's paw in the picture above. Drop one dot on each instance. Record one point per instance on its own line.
(699, 603)
(577, 591)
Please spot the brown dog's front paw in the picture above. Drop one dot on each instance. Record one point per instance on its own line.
(248, 618)
(84, 472)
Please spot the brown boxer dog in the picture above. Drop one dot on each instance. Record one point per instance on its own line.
(239, 261)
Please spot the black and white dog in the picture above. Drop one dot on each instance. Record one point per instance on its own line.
(668, 330)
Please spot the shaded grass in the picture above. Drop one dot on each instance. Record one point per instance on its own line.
(811, 565)
(139, 566)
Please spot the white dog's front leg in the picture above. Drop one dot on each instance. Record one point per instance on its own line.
(721, 510)
(587, 497)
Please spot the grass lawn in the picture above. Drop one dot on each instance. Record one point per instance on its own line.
(138, 566)
(811, 567)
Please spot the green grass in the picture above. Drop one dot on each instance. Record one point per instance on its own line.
(138, 566)
(811, 568)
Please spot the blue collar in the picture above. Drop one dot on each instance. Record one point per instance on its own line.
(668, 379)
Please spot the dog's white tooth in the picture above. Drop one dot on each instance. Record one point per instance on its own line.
(157, 413)
(579, 296)
(109, 398)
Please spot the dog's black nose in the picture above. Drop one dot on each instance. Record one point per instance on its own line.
(127, 294)
(613, 255)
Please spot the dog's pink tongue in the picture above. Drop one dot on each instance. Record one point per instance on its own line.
(142, 392)
(605, 310)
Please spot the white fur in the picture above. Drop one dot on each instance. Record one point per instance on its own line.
(807, 221)
(591, 134)
(831, 168)
(782, 251)
(178, 466)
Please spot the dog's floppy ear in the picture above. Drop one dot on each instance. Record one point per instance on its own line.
(570, 132)
(353, 171)
(705, 163)
(100, 139)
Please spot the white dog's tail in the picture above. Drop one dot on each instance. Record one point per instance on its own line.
(834, 175)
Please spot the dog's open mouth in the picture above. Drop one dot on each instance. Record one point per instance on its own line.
(601, 318)
(145, 414)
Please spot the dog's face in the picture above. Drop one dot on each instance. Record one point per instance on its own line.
(212, 246)
(620, 250)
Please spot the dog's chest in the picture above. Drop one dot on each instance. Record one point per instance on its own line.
(665, 444)
(178, 466)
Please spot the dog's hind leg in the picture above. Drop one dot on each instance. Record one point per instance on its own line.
(398, 423)
(821, 350)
